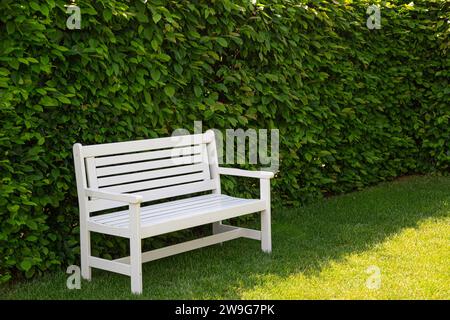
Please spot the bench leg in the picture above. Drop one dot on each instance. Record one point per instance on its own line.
(216, 227)
(135, 249)
(266, 236)
(85, 248)
(136, 265)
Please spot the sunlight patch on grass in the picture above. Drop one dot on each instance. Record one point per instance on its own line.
(414, 264)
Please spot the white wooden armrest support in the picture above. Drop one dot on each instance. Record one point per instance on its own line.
(137, 173)
(246, 173)
(264, 187)
(120, 197)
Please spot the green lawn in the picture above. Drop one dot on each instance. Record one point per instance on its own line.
(321, 251)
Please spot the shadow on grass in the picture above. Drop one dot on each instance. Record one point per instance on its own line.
(305, 240)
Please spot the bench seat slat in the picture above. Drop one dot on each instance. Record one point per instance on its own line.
(160, 207)
(168, 208)
(156, 194)
(164, 213)
(205, 207)
(200, 217)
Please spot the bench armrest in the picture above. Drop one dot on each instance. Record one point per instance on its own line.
(246, 173)
(128, 198)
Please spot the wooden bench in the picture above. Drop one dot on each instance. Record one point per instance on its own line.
(128, 177)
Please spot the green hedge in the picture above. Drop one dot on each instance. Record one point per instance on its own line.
(354, 106)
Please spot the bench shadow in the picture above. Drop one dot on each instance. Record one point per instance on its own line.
(305, 240)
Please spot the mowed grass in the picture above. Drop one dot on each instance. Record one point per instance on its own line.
(320, 251)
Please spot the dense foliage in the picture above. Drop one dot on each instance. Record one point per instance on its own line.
(354, 106)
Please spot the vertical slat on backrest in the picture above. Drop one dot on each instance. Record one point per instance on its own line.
(213, 159)
(91, 173)
(205, 162)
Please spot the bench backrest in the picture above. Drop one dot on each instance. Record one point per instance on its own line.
(154, 168)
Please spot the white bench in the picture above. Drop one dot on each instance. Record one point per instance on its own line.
(129, 176)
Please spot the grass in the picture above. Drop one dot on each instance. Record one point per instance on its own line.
(320, 251)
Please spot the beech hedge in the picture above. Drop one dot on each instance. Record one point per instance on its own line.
(354, 106)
